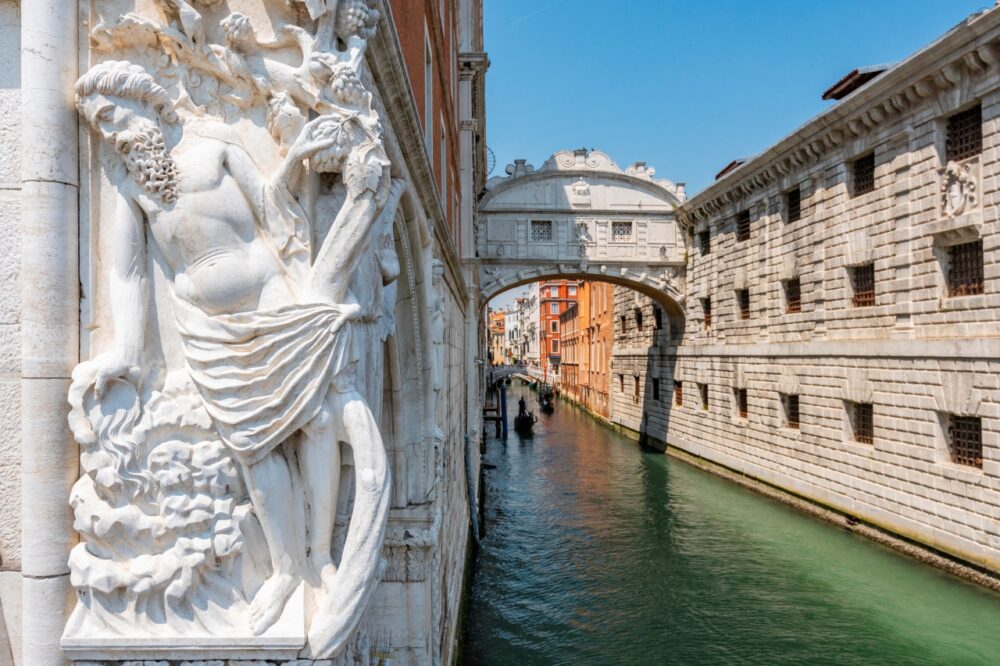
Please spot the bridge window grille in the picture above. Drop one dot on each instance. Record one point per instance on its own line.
(862, 422)
(703, 391)
(621, 232)
(863, 281)
(705, 242)
(793, 295)
(541, 231)
(791, 411)
(741, 402)
(743, 301)
(964, 135)
(743, 226)
(965, 269)
(864, 174)
(793, 204)
(706, 308)
(678, 393)
(965, 440)
(656, 389)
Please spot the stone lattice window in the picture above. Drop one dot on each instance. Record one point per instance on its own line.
(705, 242)
(864, 174)
(741, 402)
(964, 134)
(743, 226)
(621, 232)
(863, 282)
(541, 231)
(793, 204)
(706, 308)
(743, 301)
(862, 422)
(793, 295)
(965, 269)
(965, 440)
(678, 393)
(703, 391)
(791, 410)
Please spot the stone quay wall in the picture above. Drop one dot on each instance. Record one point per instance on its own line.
(884, 406)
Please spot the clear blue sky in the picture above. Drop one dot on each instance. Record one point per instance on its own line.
(685, 86)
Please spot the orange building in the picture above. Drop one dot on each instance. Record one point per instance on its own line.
(554, 297)
(587, 331)
(497, 336)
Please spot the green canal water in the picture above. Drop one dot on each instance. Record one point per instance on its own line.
(598, 553)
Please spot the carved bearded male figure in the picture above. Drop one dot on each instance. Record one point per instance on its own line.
(266, 333)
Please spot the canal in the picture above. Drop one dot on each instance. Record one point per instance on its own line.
(599, 553)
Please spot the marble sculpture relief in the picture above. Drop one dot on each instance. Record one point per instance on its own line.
(248, 212)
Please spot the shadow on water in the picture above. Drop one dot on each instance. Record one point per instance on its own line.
(599, 553)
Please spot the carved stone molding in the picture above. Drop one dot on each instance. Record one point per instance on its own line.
(857, 386)
(959, 189)
(957, 395)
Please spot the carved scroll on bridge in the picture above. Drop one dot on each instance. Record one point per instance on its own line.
(245, 225)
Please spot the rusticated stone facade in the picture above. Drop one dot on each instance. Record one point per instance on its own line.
(843, 302)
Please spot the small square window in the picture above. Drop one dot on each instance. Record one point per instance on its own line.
(554, 346)
(791, 403)
(743, 226)
(740, 395)
(706, 309)
(965, 269)
(863, 284)
(541, 230)
(554, 326)
(793, 295)
(554, 308)
(862, 426)
(703, 391)
(656, 389)
(572, 290)
(705, 242)
(743, 302)
(964, 134)
(678, 393)
(621, 232)
(793, 204)
(965, 440)
(863, 170)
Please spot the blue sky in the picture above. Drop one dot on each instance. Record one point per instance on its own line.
(685, 86)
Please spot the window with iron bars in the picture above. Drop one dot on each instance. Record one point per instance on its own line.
(743, 301)
(862, 424)
(706, 309)
(743, 226)
(678, 393)
(863, 283)
(793, 295)
(964, 134)
(864, 174)
(705, 242)
(965, 440)
(793, 204)
(965, 269)
(541, 230)
(703, 390)
(621, 231)
(741, 402)
(791, 410)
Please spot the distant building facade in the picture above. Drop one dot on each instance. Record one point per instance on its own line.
(587, 329)
(555, 296)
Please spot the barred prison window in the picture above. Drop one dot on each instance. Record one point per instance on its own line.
(791, 411)
(678, 393)
(862, 422)
(706, 308)
(863, 282)
(965, 269)
(705, 242)
(965, 440)
(541, 230)
(964, 134)
(793, 204)
(703, 390)
(656, 389)
(864, 174)
(793, 295)
(743, 300)
(741, 402)
(743, 225)
(621, 232)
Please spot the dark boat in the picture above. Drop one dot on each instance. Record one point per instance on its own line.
(524, 423)
(546, 398)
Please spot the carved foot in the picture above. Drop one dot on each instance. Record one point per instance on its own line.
(322, 564)
(267, 604)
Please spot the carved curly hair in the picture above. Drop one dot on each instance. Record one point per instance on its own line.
(120, 78)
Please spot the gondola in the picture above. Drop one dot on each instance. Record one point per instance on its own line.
(546, 398)
(524, 423)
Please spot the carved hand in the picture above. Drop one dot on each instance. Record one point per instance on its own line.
(113, 366)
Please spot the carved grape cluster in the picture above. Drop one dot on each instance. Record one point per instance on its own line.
(355, 18)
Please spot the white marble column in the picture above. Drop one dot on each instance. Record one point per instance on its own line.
(50, 317)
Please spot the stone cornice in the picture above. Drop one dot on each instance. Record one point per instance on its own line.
(972, 49)
(651, 186)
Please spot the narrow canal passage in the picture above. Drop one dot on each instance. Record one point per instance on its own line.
(598, 553)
